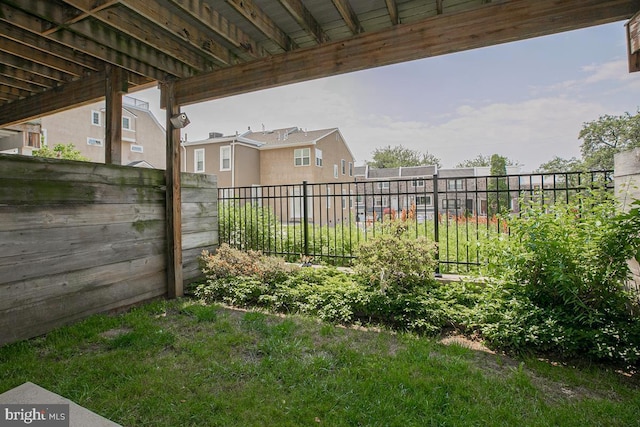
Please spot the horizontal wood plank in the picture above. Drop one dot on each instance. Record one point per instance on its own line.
(499, 22)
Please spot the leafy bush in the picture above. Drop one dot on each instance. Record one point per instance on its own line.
(394, 260)
(561, 282)
(247, 226)
(230, 262)
(254, 280)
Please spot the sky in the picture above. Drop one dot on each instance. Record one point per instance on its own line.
(525, 100)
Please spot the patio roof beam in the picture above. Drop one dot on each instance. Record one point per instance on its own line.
(437, 35)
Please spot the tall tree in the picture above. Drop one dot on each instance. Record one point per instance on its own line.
(558, 165)
(483, 161)
(393, 157)
(498, 197)
(608, 135)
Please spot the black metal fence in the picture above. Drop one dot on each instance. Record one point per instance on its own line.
(325, 222)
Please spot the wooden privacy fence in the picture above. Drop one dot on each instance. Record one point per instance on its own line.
(80, 238)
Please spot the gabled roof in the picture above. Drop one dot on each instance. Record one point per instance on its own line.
(273, 139)
(286, 136)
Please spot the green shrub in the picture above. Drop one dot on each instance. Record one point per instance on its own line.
(247, 226)
(392, 259)
(561, 282)
(230, 262)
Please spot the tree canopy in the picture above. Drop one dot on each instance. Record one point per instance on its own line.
(558, 164)
(483, 161)
(606, 136)
(60, 151)
(399, 156)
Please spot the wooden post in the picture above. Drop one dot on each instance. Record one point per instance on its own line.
(633, 43)
(115, 86)
(174, 200)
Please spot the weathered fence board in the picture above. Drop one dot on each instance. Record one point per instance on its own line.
(199, 221)
(79, 238)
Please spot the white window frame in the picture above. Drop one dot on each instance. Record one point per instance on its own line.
(318, 157)
(427, 200)
(137, 148)
(329, 197)
(417, 183)
(225, 154)
(301, 157)
(455, 184)
(196, 153)
(126, 120)
(94, 114)
(335, 171)
(343, 166)
(383, 185)
(446, 203)
(94, 142)
(350, 169)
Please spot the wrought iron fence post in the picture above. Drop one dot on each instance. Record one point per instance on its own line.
(436, 223)
(305, 220)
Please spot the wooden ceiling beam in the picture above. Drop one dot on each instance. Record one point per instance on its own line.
(438, 35)
(94, 39)
(256, 17)
(392, 7)
(14, 82)
(217, 23)
(13, 92)
(181, 28)
(305, 19)
(348, 15)
(46, 45)
(144, 31)
(40, 57)
(34, 68)
(76, 93)
(26, 76)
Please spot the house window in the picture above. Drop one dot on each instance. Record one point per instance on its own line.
(455, 184)
(350, 169)
(343, 165)
(417, 183)
(94, 141)
(198, 160)
(126, 123)
(96, 118)
(344, 199)
(297, 204)
(335, 171)
(225, 158)
(384, 185)
(451, 203)
(328, 197)
(302, 156)
(137, 148)
(423, 200)
(382, 201)
(318, 157)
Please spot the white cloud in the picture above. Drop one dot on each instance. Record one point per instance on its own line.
(530, 132)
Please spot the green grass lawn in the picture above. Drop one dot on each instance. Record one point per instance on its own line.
(178, 363)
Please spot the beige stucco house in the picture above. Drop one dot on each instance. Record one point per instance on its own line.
(280, 156)
(279, 161)
(143, 136)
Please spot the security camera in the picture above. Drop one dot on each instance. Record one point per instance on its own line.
(179, 120)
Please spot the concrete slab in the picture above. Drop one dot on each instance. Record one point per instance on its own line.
(30, 393)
